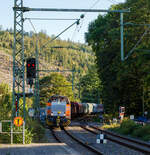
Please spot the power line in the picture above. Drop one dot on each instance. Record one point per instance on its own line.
(76, 22)
(113, 1)
(92, 6)
(26, 9)
(137, 24)
(37, 37)
(32, 25)
(78, 28)
(137, 43)
(51, 19)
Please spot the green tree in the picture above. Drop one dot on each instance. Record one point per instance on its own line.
(90, 86)
(53, 84)
(5, 102)
(122, 81)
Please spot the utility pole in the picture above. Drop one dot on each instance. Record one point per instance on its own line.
(143, 98)
(36, 91)
(121, 32)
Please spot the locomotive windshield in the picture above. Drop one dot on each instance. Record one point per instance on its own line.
(58, 99)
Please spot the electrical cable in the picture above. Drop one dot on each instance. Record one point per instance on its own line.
(74, 33)
(32, 25)
(78, 28)
(137, 24)
(50, 19)
(76, 22)
(92, 6)
(37, 38)
(137, 43)
(113, 1)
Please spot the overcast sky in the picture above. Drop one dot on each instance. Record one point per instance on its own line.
(75, 33)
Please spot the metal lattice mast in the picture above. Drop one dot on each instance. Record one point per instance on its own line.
(18, 62)
(37, 97)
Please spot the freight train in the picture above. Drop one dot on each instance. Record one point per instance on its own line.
(80, 109)
(59, 110)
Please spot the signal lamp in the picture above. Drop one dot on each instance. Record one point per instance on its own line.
(31, 68)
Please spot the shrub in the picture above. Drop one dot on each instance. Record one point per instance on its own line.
(107, 118)
(111, 126)
(5, 138)
(18, 138)
(142, 133)
(128, 126)
(37, 130)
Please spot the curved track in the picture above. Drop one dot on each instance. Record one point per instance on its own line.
(55, 136)
(73, 141)
(83, 143)
(128, 142)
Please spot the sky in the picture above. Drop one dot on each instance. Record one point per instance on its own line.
(53, 27)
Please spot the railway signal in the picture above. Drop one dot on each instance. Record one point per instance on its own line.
(31, 68)
(121, 112)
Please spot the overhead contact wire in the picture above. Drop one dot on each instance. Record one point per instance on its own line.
(59, 34)
(50, 19)
(137, 43)
(77, 29)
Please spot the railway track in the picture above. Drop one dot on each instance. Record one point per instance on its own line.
(83, 143)
(124, 141)
(64, 136)
(55, 136)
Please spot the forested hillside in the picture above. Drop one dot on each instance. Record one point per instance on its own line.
(62, 55)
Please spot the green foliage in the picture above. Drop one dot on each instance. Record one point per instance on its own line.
(54, 84)
(18, 138)
(37, 130)
(130, 128)
(38, 133)
(5, 101)
(90, 86)
(58, 54)
(122, 82)
(142, 133)
(34, 133)
(111, 126)
(108, 118)
(5, 138)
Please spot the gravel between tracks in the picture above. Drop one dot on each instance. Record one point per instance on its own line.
(129, 141)
(110, 148)
(81, 150)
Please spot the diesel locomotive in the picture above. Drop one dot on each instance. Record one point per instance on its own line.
(58, 111)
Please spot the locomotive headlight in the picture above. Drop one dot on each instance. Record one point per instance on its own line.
(51, 113)
(59, 112)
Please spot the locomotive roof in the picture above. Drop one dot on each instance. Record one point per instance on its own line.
(58, 96)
